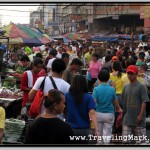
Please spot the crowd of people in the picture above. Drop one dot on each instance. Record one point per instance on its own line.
(75, 104)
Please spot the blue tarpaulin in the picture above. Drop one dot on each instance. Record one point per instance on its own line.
(34, 41)
(103, 39)
(111, 38)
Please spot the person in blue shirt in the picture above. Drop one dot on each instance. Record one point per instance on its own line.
(110, 82)
(106, 105)
(3, 47)
(80, 108)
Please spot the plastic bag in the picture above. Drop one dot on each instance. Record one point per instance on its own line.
(88, 76)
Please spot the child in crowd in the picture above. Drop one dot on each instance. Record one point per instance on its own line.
(106, 105)
(110, 82)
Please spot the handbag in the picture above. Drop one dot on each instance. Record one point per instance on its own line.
(36, 105)
(119, 120)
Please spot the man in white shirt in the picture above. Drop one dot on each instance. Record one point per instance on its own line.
(53, 54)
(146, 52)
(59, 52)
(58, 67)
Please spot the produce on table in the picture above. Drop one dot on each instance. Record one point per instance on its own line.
(7, 93)
(13, 130)
(8, 70)
(9, 82)
(20, 69)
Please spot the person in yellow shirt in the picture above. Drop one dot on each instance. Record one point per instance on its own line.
(116, 76)
(70, 51)
(125, 80)
(88, 56)
(2, 123)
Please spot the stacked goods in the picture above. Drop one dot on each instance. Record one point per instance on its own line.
(7, 93)
(9, 70)
(13, 130)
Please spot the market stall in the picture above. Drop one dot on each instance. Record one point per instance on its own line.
(21, 34)
(72, 36)
(13, 131)
(11, 100)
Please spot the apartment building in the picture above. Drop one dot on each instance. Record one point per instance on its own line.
(60, 18)
(107, 17)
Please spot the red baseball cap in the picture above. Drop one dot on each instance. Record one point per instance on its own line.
(115, 58)
(132, 68)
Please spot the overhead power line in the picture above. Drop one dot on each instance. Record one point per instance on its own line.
(95, 4)
(94, 14)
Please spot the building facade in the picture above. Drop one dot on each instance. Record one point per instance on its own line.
(45, 18)
(94, 17)
(107, 17)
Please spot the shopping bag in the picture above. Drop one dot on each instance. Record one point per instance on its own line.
(119, 120)
(88, 76)
(36, 105)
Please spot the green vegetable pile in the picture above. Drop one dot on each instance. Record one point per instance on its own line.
(8, 82)
(13, 129)
(20, 69)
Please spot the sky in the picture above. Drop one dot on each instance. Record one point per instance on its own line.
(16, 13)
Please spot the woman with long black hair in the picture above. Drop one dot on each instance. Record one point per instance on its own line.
(80, 107)
(116, 76)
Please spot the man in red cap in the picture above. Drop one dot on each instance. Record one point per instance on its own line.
(132, 72)
(134, 97)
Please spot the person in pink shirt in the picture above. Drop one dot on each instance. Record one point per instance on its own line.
(94, 68)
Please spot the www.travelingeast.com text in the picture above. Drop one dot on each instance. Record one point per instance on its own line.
(105, 138)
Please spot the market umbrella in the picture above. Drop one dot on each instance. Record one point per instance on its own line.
(33, 41)
(85, 35)
(38, 30)
(72, 36)
(12, 41)
(22, 34)
(45, 38)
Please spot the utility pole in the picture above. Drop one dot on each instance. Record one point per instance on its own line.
(43, 17)
(1, 20)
